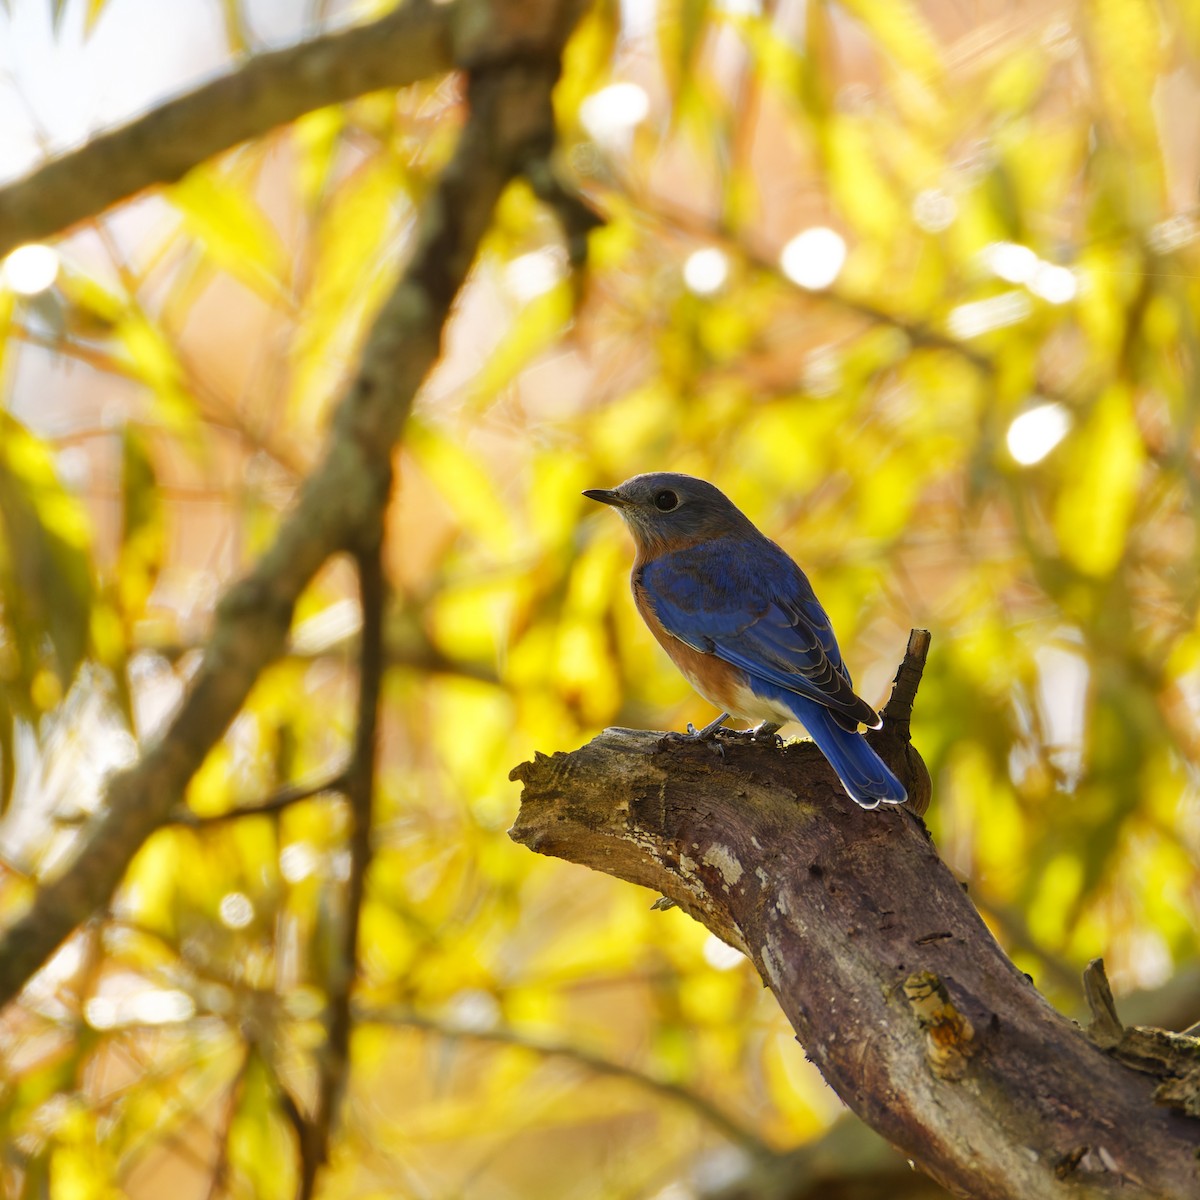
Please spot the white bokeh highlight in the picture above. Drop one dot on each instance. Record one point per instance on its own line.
(236, 910)
(615, 111)
(532, 275)
(814, 259)
(934, 210)
(1036, 432)
(982, 316)
(1054, 284)
(30, 269)
(705, 271)
(1010, 261)
(720, 955)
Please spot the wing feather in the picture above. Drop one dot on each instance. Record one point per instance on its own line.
(747, 603)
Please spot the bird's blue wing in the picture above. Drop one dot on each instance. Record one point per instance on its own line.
(750, 605)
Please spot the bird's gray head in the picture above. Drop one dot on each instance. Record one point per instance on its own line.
(666, 511)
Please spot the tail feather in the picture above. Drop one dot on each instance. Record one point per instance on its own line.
(863, 773)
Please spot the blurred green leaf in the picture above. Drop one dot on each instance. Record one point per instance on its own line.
(223, 214)
(317, 136)
(870, 425)
(95, 10)
(7, 305)
(45, 561)
(1099, 494)
(260, 1148)
(153, 360)
(901, 31)
(346, 277)
(143, 533)
(236, 40)
(538, 321)
(587, 62)
(681, 38)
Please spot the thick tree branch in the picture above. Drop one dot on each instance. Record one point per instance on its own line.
(510, 127)
(895, 987)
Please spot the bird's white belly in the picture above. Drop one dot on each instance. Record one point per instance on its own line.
(740, 701)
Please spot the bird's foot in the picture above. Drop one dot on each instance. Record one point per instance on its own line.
(707, 735)
(767, 732)
(736, 735)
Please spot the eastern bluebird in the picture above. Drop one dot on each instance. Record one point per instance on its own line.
(741, 622)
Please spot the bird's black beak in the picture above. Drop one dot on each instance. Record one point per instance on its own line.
(605, 496)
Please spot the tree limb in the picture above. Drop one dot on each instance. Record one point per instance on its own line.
(894, 985)
(410, 43)
(418, 40)
(510, 126)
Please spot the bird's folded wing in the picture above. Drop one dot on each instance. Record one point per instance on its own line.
(766, 621)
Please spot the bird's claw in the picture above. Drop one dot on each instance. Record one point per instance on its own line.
(737, 735)
(707, 737)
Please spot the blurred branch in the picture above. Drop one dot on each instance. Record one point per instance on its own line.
(219, 1183)
(416, 40)
(398, 651)
(918, 332)
(848, 1162)
(277, 802)
(511, 126)
(410, 43)
(333, 1058)
(680, 218)
(896, 989)
(727, 1126)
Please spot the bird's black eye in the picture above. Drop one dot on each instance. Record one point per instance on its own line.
(665, 500)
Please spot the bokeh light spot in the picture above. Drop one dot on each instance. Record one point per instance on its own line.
(614, 110)
(236, 910)
(1036, 432)
(814, 259)
(705, 271)
(31, 269)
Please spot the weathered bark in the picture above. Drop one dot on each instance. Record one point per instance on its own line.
(892, 982)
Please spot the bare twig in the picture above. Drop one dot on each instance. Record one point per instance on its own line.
(333, 1060)
(277, 802)
(233, 1095)
(893, 741)
(726, 1125)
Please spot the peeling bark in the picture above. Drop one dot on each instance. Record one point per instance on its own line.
(894, 985)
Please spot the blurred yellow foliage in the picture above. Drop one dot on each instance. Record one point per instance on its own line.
(983, 422)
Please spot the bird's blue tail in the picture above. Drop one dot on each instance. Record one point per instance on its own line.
(863, 773)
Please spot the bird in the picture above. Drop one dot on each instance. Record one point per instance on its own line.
(740, 620)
